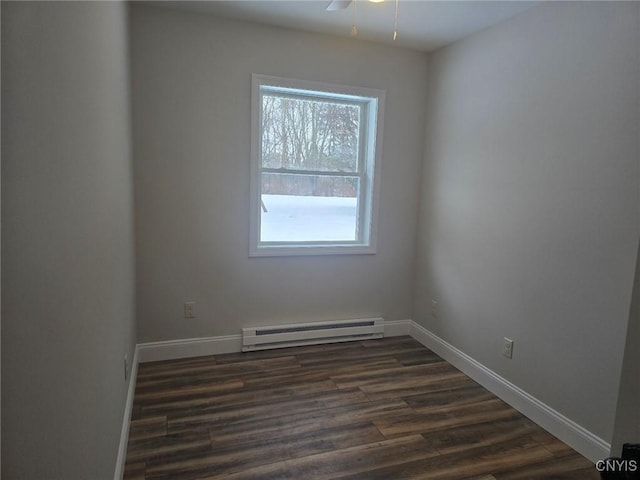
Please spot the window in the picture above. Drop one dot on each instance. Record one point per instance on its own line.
(315, 167)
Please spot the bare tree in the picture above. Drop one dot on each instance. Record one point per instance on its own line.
(309, 134)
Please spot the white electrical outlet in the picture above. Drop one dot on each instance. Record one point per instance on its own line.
(189, 309)
(126, 367)
(434, 308)
(507, 348)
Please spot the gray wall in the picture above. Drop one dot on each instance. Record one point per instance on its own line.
(627, 425)
(67, 238)
(191, 109)
(529, 216)
(0, 278)
(528, 225)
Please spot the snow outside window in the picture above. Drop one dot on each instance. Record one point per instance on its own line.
(315, 164)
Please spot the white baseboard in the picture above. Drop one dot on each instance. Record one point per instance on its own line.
(574, 435)
(189, 347)
(196, 347)
(396, 328)
(128, 408)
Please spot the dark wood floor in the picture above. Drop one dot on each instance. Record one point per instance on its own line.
(378, 409)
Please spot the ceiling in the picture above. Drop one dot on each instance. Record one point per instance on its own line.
(422, 24)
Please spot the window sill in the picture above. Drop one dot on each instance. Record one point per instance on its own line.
(311, 250)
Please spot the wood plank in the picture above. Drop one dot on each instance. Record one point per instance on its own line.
(466, 437)
(187, 391)
(285, 424)
(220, 461)
(224, 459)
(165, 447)
(572, 468)
(339, 365)
(242, 396)
(338, 463)
(414, 386)
(399, 373)
(374, 409)
(431, 384)
(301, 405)
(433, 401)
(446, 468)
(134, 471)
(220, 371)
(149, 427)
(453, 416)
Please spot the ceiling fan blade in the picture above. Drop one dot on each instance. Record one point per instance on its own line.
(338, 5)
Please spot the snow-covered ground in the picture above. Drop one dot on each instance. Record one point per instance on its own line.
(305, 218)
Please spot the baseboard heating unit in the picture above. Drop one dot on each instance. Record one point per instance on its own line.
(280, 336)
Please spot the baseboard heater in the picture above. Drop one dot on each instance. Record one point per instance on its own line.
(280, 336)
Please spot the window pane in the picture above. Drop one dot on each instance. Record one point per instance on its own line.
(307, 208)
(306, 134)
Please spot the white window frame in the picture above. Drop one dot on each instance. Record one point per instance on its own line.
(369, 164)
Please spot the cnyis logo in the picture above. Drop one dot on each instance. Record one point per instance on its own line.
(617, 465)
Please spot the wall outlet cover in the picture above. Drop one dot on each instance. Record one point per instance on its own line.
(507, 348)
(189, 309)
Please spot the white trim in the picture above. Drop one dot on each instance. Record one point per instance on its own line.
(396, 328)
(189, 347)
(370, 161)
(300, 250)
(194, 347)
(313, 333)
(126, 420)
(576, 436)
